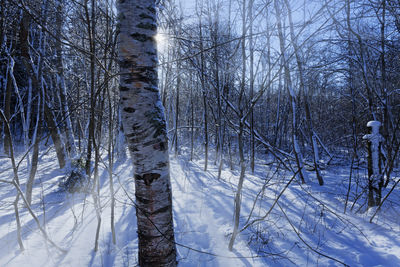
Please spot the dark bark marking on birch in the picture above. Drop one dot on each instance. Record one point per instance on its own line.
(160, 210)
(123, 88)
(145, 16)
(148, 178)
(129, 80)
(135, 128)
(147, 26)
(136, 140)
(152, 142)
(127, 64)
(151, 9)
(147, 71)
(155, 119)
(143, 200)
(162, 165)
(156, 260)
(133, 149)
(151, 89)
(142, 74)
(160, 146)
(138, 134)
(147, 236)
(130, 135)
(129, 110)
(141, 37)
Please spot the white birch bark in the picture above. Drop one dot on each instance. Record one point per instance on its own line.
(375, 179)
(145, 130)
(70, 140)
(238, 195)
(292, 95)
(24, 117)
(309, 123)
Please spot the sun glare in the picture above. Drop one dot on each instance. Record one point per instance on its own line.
(160, 38)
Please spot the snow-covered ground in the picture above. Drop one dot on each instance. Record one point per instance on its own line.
(307, 226)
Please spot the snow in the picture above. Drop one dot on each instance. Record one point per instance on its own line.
(375, 125)
(203, 214)
(375, 138)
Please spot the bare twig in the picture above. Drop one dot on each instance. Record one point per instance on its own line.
(305, 243)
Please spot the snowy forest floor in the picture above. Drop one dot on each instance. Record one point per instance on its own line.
(306, 225)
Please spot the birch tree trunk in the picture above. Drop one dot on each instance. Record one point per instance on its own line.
(55, 135)
(7, 112)
(203, 88)
(35, 74)
(238, 195)
(251, 47)
(218, 89)
(91, 29)
(145, 130)
(290, 89)
(35, 154)
(7, 132)
(309, 123)
(178, 85)
(70, 143)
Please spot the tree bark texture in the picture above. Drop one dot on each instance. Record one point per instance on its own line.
(70, 140)
(7, 113)
(145, 130)
(291, 93)
(307, 108)
(204, 92)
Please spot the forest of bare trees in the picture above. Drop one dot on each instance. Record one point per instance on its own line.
(292, 83)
